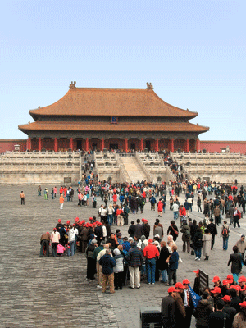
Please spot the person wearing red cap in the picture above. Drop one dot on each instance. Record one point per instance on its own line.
(146, 228)
(228, 309)
(188, 304)
(240, 318)
(180, 310)
(151, 253)
(84, 237)
(168, 309)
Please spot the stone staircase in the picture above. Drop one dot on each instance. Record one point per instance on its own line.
(133, 168)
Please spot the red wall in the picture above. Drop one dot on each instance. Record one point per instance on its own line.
(215, 146)
(8, 144)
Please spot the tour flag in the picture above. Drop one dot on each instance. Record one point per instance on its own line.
(195, 297)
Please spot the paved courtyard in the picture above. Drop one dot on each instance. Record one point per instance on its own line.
(53, 292)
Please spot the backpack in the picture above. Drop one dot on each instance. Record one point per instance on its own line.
(225, 232)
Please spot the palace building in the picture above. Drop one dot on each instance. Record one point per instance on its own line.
(125, 119)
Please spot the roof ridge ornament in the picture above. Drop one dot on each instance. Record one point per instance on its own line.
(149, 86)
(72, 85)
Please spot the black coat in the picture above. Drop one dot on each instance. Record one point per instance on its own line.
(236, 262)
(197, 239)
(164, 254)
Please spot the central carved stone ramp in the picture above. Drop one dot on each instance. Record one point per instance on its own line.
(133, 169)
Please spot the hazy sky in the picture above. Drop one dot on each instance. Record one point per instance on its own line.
(193, 52)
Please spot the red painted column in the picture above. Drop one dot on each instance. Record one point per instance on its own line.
(102, 144)
(141, 144)
(172, 145)
(71, 143)
(55, 145)
(126, 145)
(198, 145)
(87, 144)
(39, 144)
(157, 145)
(187, 145)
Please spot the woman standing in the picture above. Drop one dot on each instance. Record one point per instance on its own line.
(55, 237)
(159, 207)
(236, 263)
(207, 244)
(197, 244)
(163, 265)
(173, 230)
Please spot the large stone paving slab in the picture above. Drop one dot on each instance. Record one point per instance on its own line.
(53, 292)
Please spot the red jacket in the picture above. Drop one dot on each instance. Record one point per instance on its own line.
(150, 251)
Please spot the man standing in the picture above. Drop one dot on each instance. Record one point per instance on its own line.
(213, 230)
(188, 304)
(225, 232)
(175, 211)
(135, 260)
(146, 228)
(22, 197)
(168, 308)
(241, 245)
(217, 215)
(151, 253)
(138, 230)
(107, 262)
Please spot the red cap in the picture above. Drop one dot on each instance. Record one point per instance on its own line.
(74, 225)
(172, 289)
(186, 282)
(143, 220)
(243, 304)
(178, 285)
(68, 222)
(90, 219)
(150, 241)
(216, 278)
(236, 287)
(59, 220)
(242, 279)
(76, 219)
(226, 298)
(54, 229)
(230, 277)
(216, 290)
(226, 282)
(196, 271)
(99, 223)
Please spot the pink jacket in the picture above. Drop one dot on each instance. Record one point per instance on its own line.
(60, 249)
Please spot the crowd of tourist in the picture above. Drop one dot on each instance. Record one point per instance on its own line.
(113, 259)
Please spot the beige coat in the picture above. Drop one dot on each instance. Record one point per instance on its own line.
(207, 244)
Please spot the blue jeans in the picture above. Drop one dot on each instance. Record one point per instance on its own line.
(176, 215)
(150, 266)
(110, 219)
(72, 248)
(164, 275)
(198, 252)
(225, 243)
